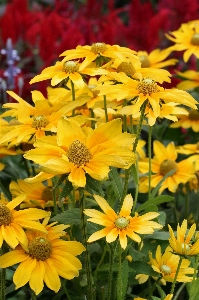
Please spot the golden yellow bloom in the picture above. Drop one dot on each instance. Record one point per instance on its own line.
(98, 52)
(189, 121)
(164, 161)
(166, 264)
(12, 222)
(190, 80)
(45, 260)
(156, 59)
(186, 38)
(183, 243)
(188, 149)
(169, 297)
(122, 224)
(78, 150)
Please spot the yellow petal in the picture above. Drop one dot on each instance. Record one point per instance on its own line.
(123, 239)
(77, 177)
(105, 207)
(9, 236)
(112, 235)
(64, 268)
(98, 235)
(15, 202)
(72, 247)
(36, 281)
(126, 206)
(23, 272)
(31, 214)
(12, 258)
(51, 277)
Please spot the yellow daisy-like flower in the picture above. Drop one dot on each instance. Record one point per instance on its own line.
(122, 224)
(67, 70)
(156, 59)
(183, 243)
(188, 149)
(190, 80)
(78, 151)
(98, 52)
(145, 90)
(45, 260)
(186, 38)
(166, 264)
(189, 121)
(164, 161)
(12, 222)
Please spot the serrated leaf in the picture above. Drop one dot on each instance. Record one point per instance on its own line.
(94, 185)
(136, 255)
(143, 268)
(122, 280)
(71, 216)
(116, 182)
(155, 201)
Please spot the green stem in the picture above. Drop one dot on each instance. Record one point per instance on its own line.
(84, 238)
(96, 270)
(149, 155)
(187, 202)
(124, 118)
(65, 290)
(179, 291)
(73, 95)
(105, 108)
(54, 197)
(120, 279)
(3, 250)
(176, 275)
(153, 288)
(196, 267)
(33, 295)
(136, 191)
(110, 277)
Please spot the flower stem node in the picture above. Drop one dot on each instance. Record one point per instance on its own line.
(195, 39)
(78, 153)
(147, 86)
(70, 66)
(167, 165)
(6, 216)
(121, 222)
(40, 248)
(98, 48)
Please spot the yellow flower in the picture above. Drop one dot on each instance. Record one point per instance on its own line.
(166, 264)
(186, 38)
(79, 150)
(12, 222)
(141, 91)
(191, 80)
(189, 121)
(67, 70)
(141, 278)
(45, 260)
(188, 149)
(98, 52)
(164, 161)
(156, 59)
(121, 224)
(183, 243)
(169, 297)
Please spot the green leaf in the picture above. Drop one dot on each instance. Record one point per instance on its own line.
(194, 290)
(143, 268)
(135, 174)
(136, 255)
(156, 189)
(61, 179)
(161, 292)
(94, 185)
(116, 182)
(155, 201)
(71, 216)
(122, 280)
(68, 187)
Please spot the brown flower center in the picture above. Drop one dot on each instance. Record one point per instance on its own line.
(39, 122)
(40, 248)
(98, 48)
(194, 115)
(127, 68)
(47, 194)
(145, 62)
(195, 39)
(78, 153)
(167, 165)
(165, 269)
(6, 216)
(147, 86)
(70, 66)
(121, 222)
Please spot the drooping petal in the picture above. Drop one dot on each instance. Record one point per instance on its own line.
(64, 268)
(9, 236)
(23, 273)
(51, 277)
(12, 258)
(20, 235)
(36, 281)
(77, 177)
(123, 239)
(112, 235)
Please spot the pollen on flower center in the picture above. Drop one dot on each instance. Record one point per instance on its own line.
(145, 62)
(195, 39)
(127, 68)
(121, 222)
(6, 216)
(40, 248)
(70, 66)
(167, 165)
(185, 247)
(98, 48)
(47, 194)
(165, 269)
(78, 153)
(39, 122)
(147, 86)
(194, 115)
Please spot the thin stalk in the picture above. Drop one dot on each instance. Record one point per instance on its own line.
(2, 275)
(153, 288)
(110, 277)
(195, 267)
(105, 108)
(179, 291)
(119, 273)
(73, 96)
(84, 238)
(124, 119)
(136, 191)
(54, 198)
(176, 275)
(65, 290)
(92, 121)
(149, 155)
(96, 271)
(187, 202)
(33, 295)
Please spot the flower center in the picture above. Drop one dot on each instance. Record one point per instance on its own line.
(78, 153)
(39, 122)
(145, 62)
(147, 86)
(70, 66)
(6, 216)
(185, 248)
(121, 222)
(98, 48)
(194, 115)
(195, 39)
(40, 248)
(47, 194)
(127, 68)
(167, 165)
(165, 269)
